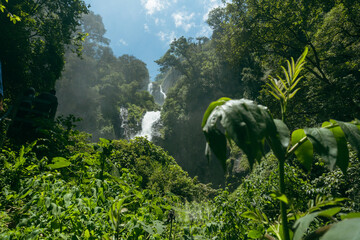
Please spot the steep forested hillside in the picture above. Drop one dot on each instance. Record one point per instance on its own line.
(250, 40)
(100, 84)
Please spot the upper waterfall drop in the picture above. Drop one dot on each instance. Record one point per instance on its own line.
(162, 92)
(150, 88)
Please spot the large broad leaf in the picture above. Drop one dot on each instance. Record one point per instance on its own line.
(343, 153)
(280, 141)
(348, 229)
(352, 134)
(58, 162)
(215, 139)
(303, 223)
(304, 152)
(243, 121)
(247, 124)
(324, 144)
(211, 107)
(283, 133)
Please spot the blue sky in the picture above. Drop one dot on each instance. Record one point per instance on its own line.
(145, 28)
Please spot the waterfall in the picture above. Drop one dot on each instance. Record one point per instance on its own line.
(148, 124)
(150, 88)
(151, 118)
(162, 92)
(123, 118)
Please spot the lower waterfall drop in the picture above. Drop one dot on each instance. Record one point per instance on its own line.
(147, 124)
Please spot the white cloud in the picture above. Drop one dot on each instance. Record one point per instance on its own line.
(122, 42)
(146, 28)
(182, 19)
(208, 6)
(159, 21)
(205, 31)
(211, 4)
(153, 6)
(168, 37)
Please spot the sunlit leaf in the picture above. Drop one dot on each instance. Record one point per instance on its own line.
(293, 93)
(211, 107)
(286, 73)
(254, 234)
(350, 215)
(87, 234)
(280, 197)
(58, 162)
(295, 83)
(251, 215)
(274, 86)
(330, 212)
(304, 153)
(275, 96)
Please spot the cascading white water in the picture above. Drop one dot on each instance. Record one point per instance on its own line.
(162, 92)
(150, 118)
(148, 122)
(123, 118)
(150, 88)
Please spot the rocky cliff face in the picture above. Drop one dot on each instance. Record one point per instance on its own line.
(155, 89)
(163, 83)
(170, 79)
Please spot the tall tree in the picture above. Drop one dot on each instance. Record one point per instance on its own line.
(32, 50)
(100, 83)
(275, 30)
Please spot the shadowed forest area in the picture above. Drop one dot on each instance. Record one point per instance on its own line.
(258, 134)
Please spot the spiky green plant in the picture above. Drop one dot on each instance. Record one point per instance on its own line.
(285, 89)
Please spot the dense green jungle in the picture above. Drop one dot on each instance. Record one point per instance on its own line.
(258, 135)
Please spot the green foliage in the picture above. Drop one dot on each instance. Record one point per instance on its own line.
(12, 17)
(111, 190)
(274, 31)
(284, 89)
(325, 141)
(249, 125)
(36, 43)
(102, 84)
(302, 224)
(198, 75)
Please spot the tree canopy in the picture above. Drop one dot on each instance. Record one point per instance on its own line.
(101, 84)
(33, 47)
